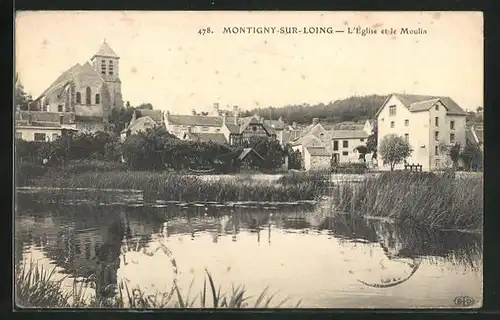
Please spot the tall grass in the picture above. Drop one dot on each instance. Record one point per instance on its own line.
(36, 288)
(416, 198)
(177, 187)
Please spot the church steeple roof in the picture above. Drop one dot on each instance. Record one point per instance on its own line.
(105, 51)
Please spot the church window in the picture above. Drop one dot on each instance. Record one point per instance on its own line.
(103, 66)
(88, 96)
(78, 97)
(97, 98)
(111, 67)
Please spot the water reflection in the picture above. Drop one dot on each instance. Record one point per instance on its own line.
(94, 242)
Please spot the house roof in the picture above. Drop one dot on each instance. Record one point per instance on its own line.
(207, 137)
(348, 134)
(233, 128)
(105, 51)
(417, 103)
(139, 124)
(156, 115)
(45, 117)
(318, 151)
(348, 125)
(309, 140)
(290, 136)
(190, 120)
(247, 151)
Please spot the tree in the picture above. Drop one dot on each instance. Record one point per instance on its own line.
(120, 117)
(146, 105)
(362, 150)
(454, 154)
(371, 142)
(394, 149)
(269, 149)
(21, 98)
(472, 156)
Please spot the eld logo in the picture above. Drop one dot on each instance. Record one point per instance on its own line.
(463, 301)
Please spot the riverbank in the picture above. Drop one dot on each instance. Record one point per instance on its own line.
(36, 288)
(410, 198)
(177, 187)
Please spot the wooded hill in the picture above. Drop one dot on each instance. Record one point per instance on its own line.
(356, 108)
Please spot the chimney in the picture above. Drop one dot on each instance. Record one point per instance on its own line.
(315, 121)
(193, 112)
(236, 118)
(223, 118)
(236, 110)
(216, 108)
(261, 119)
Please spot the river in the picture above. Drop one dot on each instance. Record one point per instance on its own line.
(307, 253)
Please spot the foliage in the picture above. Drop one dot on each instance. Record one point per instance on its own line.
(394, 149)
(121, 117)
(355, 108)
(146, 105)
(472, 157)
(294, 157)
(371, 142)
(145, 149)
(350, 168)
(416, 198)
(180, 187)
(21, 98)
(35, 287)
(25, 172)
(454, 153)
(269, 149)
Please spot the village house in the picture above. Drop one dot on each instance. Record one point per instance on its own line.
(428, 123)
(85, 94)
(139, 124)
(316, 158)
(42, 126)
(341, 145)
(222, 129)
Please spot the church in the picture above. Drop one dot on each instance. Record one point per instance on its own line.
(80, 99)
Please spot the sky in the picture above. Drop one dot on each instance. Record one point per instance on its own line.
(165, 61)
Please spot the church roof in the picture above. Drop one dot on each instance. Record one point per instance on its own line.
(105, 51)
(68, 75)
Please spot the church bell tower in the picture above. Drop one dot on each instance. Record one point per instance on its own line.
(107, 64)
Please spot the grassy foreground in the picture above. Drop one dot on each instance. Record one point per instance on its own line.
(35, 288)
(416, 198)
(178, 187)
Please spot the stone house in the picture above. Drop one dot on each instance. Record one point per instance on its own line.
(427, 122)
(316, 158)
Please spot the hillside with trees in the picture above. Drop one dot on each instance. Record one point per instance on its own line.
(356, 108)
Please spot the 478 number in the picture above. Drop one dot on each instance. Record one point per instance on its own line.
(204, 31)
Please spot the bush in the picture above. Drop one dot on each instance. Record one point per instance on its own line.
(416, 198)
(26, 171)
(350, 168)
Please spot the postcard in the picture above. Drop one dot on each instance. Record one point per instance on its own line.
(248, 159)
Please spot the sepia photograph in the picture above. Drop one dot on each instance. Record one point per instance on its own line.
(257, 159)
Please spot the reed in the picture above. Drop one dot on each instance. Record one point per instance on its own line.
(36, 288)
(177, 187)
(416, 198)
